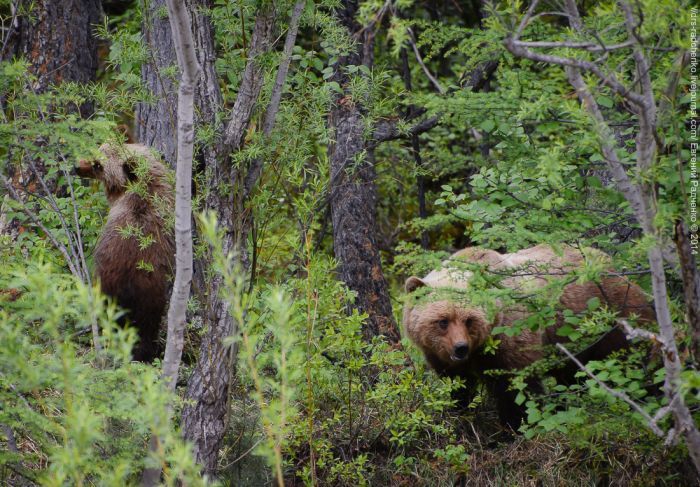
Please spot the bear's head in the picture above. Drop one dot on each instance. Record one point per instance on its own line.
(118, 166)
(447, 330)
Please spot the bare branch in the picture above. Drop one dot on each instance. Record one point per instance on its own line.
(608, 80)
(526, 19)
(632, 333)
(630, 190)
(588, 46)
(419, 58)
(517, 48)
(251, 83)
(386, 130)
(272, 109)
(59, 246)
(651, 422)
(54, 206)
(646, 140)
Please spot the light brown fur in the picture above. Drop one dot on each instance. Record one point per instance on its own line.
(443, 328)
(120, 260)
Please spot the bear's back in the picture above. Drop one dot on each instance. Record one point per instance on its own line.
(531, 268)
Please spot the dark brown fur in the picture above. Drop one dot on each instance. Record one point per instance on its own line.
(444, 330)
(143, 293)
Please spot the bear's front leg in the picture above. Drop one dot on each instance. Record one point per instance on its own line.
(511, 414)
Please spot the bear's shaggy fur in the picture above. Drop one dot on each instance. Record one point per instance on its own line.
(137, 276)
(452, 335)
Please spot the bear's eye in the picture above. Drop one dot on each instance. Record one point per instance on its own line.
(443, 324)
(468, 322)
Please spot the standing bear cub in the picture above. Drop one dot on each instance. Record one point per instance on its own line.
(135, 253)
(451, 320)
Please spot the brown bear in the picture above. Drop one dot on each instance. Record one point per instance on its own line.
(453, 331)
(135, 253)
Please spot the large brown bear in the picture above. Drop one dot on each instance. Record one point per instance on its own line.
(135, 253)
(453, 331)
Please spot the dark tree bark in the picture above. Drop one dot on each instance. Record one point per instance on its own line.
(156, 121)
(57, 38)
(353, 192)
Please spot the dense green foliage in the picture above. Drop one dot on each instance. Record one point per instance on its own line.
(507, 167)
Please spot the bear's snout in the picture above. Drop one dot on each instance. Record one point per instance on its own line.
(460, 351)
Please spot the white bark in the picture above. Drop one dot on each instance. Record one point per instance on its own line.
(189, 71)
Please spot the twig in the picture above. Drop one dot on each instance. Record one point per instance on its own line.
(588, 46)
(632, 332)
(83, 262)
(388, 130)
(244, 454)
(59, 246)
(651, 422)
(433, 80)
(54, 206)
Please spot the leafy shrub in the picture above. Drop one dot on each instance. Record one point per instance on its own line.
(70, 415)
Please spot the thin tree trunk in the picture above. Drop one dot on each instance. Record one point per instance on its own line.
(353, 193)
(156, 120)
(189, 69)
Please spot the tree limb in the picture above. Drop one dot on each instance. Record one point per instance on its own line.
(386, 130)
(272, 109)
(419, 58)
(251, 82)
(651, 422)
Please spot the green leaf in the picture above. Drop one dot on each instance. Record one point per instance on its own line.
(605, 101)
(488, 125)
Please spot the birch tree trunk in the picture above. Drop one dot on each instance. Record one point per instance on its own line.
(189, 71)
(204, 417)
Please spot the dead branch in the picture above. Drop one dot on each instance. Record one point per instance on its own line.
(651, 422)
(274, 105)
(419, 58)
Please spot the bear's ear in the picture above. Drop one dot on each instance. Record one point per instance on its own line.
(413, 283)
